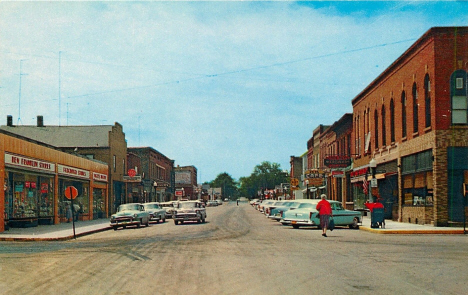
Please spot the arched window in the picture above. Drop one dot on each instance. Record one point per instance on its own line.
(384, 131)
(427, 99)
(415, 109)
(392, 120)
(376, 129)
(458, 92)
(403, 114)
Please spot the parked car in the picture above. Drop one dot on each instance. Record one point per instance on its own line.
(261, 206)
(267, 208)
(306, 215)
(277, 213)
(211, 204)
(156, 212)
(189, 211)
(169, 207)
(132, 214)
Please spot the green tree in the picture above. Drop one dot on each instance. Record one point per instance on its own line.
(227, 184)
(265, 176)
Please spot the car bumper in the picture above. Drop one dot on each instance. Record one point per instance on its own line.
(300, 222)
(125, 223)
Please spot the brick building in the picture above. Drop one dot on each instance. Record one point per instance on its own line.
(156, 174)
(413, 121)
(186, 179)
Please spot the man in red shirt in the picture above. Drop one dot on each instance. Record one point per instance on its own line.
(325, 211)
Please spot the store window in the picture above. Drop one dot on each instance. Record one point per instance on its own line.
(417, 179)
(82, 200)
(46, 197)
(23, 196)
(99, 207)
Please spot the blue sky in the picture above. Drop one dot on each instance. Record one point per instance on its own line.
(222, 86)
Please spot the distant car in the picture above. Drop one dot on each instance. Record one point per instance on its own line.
(132, 214)
(156, 212)
(189, 211)
(261, 206)
(211, 203)
(169, 207)
(307, 215)
(267, 208)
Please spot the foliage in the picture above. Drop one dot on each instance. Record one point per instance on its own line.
(227, 184)
(265, 176)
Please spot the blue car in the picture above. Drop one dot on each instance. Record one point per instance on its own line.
(307, 215)
(277, 213)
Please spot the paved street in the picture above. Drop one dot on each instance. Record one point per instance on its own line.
(237, 251)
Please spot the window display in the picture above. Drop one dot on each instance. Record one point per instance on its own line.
(82, 200)
(98, 203)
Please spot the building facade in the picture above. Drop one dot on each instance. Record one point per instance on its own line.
(105, 143)
(186, 182)
(157, 174)
(36, 177)
(411, 123)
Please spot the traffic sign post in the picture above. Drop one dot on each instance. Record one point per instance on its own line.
(71, 193)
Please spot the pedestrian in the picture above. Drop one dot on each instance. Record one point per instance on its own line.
(325, 211)
(237, 202)
(68, 212)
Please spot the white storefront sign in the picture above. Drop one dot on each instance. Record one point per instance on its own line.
(72, 171)
(28, 163)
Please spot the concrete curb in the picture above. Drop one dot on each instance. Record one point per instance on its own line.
(46, 239)
(414, 231)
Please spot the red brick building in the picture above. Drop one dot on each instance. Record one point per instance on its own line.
(413, 120)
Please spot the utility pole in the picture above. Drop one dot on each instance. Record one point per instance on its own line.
(19, 95)
(60, 86)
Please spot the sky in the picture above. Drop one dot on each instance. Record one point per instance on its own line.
(222, 86)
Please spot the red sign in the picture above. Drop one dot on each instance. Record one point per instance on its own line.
(71, 192)
(131, 172)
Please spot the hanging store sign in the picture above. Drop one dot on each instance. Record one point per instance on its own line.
(72, 171)
(28, 163)
(337, 161)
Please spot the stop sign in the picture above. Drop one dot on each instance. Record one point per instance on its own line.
(71, 192)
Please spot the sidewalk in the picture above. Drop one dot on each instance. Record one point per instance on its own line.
(394, 227)
(58, 232)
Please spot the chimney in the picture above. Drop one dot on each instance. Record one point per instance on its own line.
(10, 121)
(40, 121)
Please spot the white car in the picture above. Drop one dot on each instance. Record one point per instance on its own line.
(156, 212)
(189, 211)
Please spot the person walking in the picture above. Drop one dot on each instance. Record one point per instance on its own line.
(325, 211)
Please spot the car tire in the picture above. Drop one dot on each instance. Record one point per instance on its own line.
(115, 227)
(147, 223)
(163, 220)
(295, 226)
(139, 224)
(176, 222)
(355, 224)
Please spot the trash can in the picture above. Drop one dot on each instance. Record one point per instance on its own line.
(378, 218)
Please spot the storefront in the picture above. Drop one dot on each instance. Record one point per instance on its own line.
(28, 191)
(360, 187)
(34, 180)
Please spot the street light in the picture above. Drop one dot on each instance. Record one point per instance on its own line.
(307, 185)
(373, 166)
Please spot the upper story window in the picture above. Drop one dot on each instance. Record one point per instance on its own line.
(427, 100)
(459, 97)
(384, 131)
(415, 109)
(403, 114)
(392, 120)
(376, 128)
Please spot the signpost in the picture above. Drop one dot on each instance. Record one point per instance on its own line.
(71, 193)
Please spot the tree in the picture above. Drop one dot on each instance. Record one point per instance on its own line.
(265, 176)
(227, 184)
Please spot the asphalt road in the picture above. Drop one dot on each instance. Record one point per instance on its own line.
(237, 251)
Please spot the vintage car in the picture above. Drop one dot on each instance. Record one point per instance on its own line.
(307, 215)
(267, 208)
(189, 211)
(132, 214)
(277, 213)
(156, 212)
(169, 207)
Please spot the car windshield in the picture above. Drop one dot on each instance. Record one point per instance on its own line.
(307, 205)
(128, 207)
(187, 205)
(151, 206)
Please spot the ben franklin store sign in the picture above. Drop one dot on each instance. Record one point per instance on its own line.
(28, 163)
(337, 161)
